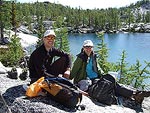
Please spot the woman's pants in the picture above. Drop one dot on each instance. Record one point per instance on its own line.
(123, 91)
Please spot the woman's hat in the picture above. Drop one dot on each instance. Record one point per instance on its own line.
(88, 43)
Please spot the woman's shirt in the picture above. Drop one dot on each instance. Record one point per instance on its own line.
(89, 70)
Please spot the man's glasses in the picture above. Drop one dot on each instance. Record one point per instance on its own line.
(50, 37)
(88, 47)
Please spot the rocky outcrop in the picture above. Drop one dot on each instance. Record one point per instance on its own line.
(14, 95)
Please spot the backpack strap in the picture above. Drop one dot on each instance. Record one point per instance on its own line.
(109, 77)
(62, 81)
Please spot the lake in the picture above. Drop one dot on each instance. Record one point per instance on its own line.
(136, 45)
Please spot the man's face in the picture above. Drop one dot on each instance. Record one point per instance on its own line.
(49, 40)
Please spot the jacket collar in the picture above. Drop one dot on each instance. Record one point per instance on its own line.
(84, 56)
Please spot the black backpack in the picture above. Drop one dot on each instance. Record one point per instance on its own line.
(103, 90)
(68, 95)
(13, 74)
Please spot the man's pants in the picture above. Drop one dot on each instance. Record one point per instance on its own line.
(58, 67)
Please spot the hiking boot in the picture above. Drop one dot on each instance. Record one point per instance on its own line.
(139, 96)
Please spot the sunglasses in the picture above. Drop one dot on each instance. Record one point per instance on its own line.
(50, 37)
(89, 47)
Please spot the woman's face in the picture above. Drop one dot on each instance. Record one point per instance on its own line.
(49, 41)
(88, 49)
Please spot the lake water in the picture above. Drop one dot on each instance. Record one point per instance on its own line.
(136, 45)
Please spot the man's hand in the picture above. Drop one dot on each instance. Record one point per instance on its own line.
(66, 74)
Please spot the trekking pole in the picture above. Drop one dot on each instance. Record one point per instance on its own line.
(8, 109)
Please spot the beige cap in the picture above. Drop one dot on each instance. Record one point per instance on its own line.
(49, 32)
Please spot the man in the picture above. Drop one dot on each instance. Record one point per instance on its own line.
(45, 59)
(86, 68)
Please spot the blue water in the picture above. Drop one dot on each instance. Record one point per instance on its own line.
(136, 45)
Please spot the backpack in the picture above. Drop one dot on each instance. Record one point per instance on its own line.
(103, 90)
(12, 74)
(59, 89)
(62, 91)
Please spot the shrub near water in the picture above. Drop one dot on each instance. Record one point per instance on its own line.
(133, 75)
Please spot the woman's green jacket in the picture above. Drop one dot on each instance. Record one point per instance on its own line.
(78, 71)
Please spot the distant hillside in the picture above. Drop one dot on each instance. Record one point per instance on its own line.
(142, 7)
(39, 16)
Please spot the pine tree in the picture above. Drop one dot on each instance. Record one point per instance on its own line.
(61, 33)
(103, 54)
(14, 53)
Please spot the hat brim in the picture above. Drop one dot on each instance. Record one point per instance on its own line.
(49, 35)
(88, 45)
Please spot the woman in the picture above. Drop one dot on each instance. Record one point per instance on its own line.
(85, 65)
(86, 69)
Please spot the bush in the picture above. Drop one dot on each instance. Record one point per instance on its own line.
(13, 54)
